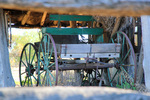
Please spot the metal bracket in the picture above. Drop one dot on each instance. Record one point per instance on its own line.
(90, 50)
(65, 49)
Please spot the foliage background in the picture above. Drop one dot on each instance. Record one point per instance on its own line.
(19, 38)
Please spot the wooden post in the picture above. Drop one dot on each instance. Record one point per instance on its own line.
(73, 24)
(6, 79)
(145, 20)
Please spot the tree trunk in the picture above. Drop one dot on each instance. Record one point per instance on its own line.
(5, 71)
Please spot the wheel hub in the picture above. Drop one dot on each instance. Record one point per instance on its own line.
(117, 66)
(30, 70)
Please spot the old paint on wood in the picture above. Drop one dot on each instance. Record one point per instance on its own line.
(72, 31)
(93, 48)
(71, 18)
(108, 50)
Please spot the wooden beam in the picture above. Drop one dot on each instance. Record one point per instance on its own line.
(117, 23)
(145, 20)
(88, 7)
(25, 18)
(6, 79)
(43, 18)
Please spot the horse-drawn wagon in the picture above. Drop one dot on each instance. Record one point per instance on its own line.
(99, 63)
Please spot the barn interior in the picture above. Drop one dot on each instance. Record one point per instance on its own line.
(115, 52)
(119, 16)
(131, 26)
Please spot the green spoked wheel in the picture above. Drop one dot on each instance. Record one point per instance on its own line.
(47, 62)
(123, 75)
(28, 66)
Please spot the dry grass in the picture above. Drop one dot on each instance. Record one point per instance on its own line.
(69, 78)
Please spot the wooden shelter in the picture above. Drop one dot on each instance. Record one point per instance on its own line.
(34, 14)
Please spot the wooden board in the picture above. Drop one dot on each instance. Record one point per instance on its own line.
(72, 31)
(71, 18)
(84, 7)
(104, 50)
(90, 48)
(92, 55)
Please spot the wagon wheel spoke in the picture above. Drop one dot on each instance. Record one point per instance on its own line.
(41, 61)
(51, 75)
(51, 65)
(25, 80)
(114, 76)
(124, 58)
(127, 65)
(49, 79)
(41, 72)
(34, 77)
(44, 78)
(26, 56)
(33, 57)
(51, 54)
(123, 45)
(31, 81)
(23, 73)
(42, 52)
(24, 64)
(29, 52)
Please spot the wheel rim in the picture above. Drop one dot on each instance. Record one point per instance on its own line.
(125, 64)
(47, 61)
(28, 66)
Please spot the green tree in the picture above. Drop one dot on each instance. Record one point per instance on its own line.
(18, 42)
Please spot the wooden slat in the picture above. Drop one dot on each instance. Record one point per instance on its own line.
(75, 48)
(43, 18)
(90, 48)
(96, 55)
(72, 31)
(71, 18)
(105, 47)
(73, 24)
(25, 18)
